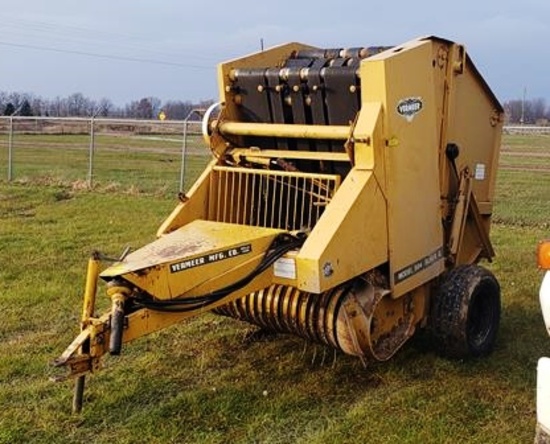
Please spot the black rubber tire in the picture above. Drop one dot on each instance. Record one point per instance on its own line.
(465, 312)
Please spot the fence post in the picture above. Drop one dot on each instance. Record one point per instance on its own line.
(10, 144)
(199, 112)
(10, 150)
(91, 153)
(183, 151)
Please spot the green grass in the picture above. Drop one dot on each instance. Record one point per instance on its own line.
(532, 143)
(202, 382)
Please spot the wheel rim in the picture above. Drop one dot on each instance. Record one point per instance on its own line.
(482, 317)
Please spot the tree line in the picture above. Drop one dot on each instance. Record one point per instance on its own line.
(529, 112)
(78, 105)
(532, 111)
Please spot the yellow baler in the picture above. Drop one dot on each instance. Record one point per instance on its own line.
(348, 201)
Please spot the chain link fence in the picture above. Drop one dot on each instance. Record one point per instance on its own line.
(147, 155)
(522, 195)
(166, 156)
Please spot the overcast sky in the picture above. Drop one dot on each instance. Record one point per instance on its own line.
(128, 49)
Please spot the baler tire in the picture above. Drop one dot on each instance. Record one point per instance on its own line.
(465, 312)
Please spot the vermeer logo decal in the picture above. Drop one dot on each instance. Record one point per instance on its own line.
(210, 258)
(409, 107)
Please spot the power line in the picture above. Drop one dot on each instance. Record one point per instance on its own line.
(47, 32)
(104, 56)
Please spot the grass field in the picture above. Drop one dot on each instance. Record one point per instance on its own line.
(202, 381)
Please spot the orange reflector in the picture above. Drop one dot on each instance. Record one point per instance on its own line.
(543, 255)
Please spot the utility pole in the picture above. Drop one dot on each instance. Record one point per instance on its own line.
(92, 146)
(522, 119)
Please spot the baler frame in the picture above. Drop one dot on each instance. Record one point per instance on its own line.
(341, 221)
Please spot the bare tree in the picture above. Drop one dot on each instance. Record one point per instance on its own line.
(16, 99)
(526, 111)
(57, 107)
(105, 107)
(78, 105)
(538, 108)
(176, 109)
(37, 105)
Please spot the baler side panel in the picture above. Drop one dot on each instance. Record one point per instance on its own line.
(396, 77)
(194, 205)
(350, 237)
(475, 125)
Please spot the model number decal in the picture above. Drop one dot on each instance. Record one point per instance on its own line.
(409, 107)
(210, 258)
(418, 266)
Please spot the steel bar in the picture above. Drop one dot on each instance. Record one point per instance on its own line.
(332, 132)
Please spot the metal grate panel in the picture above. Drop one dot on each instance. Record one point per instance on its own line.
(270, 199)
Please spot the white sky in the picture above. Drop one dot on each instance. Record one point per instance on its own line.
(128, 49)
